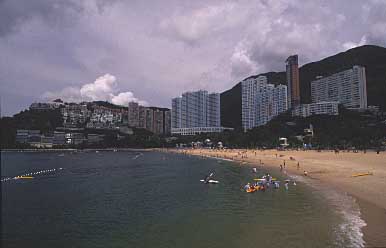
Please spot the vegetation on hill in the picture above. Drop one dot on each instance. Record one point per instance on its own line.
(44, 121)
(107, 105)
(349, 129)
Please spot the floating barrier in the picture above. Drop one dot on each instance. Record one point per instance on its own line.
(362, 174)
(30, 175)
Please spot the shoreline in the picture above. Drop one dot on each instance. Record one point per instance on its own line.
(329, 168)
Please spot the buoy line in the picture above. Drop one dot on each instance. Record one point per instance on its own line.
(30, 175)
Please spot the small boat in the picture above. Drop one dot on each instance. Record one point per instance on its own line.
(210, 181)
(251, 190)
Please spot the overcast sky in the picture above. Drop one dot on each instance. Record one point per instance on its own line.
(151, 51)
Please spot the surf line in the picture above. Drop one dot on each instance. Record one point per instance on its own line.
(31, 175)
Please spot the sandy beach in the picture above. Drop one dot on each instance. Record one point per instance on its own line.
(328, 167)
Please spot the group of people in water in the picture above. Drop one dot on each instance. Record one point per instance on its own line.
(265, 182)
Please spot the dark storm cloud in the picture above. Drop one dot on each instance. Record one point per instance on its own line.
(14, 13)
(155, 50)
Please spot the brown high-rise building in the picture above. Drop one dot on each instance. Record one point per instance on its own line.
(133, 114)
(293, 85)
(154, 119)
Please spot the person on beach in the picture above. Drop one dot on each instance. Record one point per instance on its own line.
(263, 188)
(298, 166)
(276, 185)
(281, 167)
(247, 186)
(305, 173)
(286, 185)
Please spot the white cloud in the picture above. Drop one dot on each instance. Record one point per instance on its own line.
(102, 89)
(161, 49)
(202, 22)
(350, 44)
(242, 65)
(124, 98)
(70, 94)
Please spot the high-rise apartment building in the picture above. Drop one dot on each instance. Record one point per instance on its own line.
(347, 87)
(293, 84)
(261, 101)
(213, 110)
(149, 119)
(167, 122)
(133, 114)
(280, 98)
(141, 116)
(176, 112)
(156, 120)
(195, 109)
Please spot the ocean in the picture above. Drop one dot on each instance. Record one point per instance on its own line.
(154, 199)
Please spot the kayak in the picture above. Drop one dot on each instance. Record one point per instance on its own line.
(251, 190)
(263, 179)
(210, 181)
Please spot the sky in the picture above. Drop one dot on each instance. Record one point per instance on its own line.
(152, 51)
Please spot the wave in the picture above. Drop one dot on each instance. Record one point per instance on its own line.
(349, 230)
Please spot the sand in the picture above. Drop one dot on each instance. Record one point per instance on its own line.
(334, 169)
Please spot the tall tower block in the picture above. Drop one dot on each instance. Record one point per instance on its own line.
(292, 69)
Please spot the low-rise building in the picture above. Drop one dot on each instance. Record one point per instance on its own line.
(34, 136)
(94, 138)
(75, 115)
(59, 138)
(105, 118)
(45, 142)
(347, 87)
(22, 136)
(199, 130)
(319, 108)
(74, 138)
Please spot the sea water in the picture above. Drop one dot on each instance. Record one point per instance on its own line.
(152, 199)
